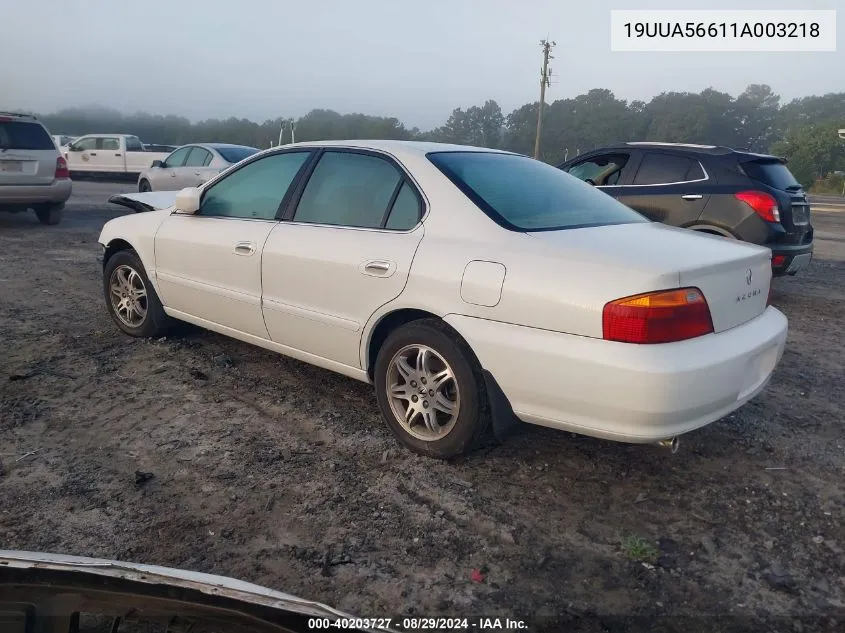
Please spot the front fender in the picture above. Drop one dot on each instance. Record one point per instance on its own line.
(138, 232)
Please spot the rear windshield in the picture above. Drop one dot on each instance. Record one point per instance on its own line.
(772, 173)
(24, 135)
(236, 154)
(523, 194)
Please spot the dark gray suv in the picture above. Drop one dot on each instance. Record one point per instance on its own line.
(732, 193)
(33, 174)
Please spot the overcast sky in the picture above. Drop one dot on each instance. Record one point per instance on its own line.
(413, 59)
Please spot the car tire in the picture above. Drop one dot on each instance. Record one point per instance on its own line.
(50, 214)
(131, 299)
(449, 416)
(144, 186)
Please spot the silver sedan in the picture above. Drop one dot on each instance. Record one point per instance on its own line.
(191, 166)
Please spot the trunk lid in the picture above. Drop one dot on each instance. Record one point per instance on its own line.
(733, 276)
(736, 289)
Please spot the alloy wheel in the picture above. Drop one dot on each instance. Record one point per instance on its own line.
(422, 392)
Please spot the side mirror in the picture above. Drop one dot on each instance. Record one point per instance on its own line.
(188, 201)
(157, 163)
(74, 148)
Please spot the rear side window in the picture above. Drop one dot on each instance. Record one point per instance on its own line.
(236, 154)
(198, 157)
(109, 143)
(665, 169)
(24, 135)
(406, 210)
(772, 173)
(523, 194)
(348, 189)
(133, 144)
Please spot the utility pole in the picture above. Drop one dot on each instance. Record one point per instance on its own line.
(544, 81)
(292, 131)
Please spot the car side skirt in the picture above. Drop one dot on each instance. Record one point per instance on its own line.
(352, 372)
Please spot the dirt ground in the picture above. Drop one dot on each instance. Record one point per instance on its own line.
(279, 473)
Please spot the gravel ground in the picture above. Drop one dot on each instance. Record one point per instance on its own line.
(276, 472)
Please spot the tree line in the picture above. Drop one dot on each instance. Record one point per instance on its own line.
(802, 130)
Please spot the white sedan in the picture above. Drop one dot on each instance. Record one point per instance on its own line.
(191, 165)
(467, 284)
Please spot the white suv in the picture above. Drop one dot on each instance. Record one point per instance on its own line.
(33, 174)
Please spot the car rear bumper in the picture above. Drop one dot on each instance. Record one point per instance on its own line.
(622, 391)
(21, 195)
(789, 259)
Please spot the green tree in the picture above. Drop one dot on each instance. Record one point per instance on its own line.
(757, 111)
(813, 151)
(481, 126)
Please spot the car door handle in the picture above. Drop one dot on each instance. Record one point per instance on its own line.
(692, 196)
(377, 268)
(244, 248)
(377, 265)
(118, 154)
(93, 154)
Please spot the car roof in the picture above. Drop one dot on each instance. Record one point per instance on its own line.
(222, 145)
(398, 148)
(19, 115)
(691, 148)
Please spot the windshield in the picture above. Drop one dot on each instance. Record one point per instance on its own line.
(523, 194)
(236, 154)
(772, 173)
(24, 135)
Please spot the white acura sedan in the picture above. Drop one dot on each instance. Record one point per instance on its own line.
(467, 284)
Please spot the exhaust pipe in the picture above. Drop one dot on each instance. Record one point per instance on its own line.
(671, 443)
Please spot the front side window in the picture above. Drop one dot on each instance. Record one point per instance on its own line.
(602, 170)
(349, 189)
(86, 144)
(177, 158)
(523, 194)
(256, 190)
(666, 169)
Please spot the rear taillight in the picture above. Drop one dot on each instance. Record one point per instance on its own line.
(61, 168)
(763, 204)
(657, 317)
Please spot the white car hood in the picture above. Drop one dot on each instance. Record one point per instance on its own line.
(154, 574)
(147, 201)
